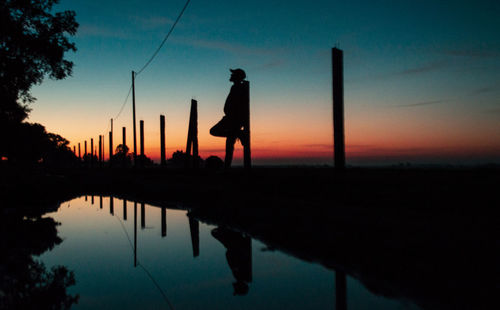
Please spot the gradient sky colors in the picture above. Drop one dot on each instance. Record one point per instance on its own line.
(422, 79)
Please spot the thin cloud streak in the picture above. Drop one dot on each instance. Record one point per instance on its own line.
(419, 104)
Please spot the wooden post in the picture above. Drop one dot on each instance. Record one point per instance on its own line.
(163, 221)
(103, 148)
(124, 136)
(100, 149)
(124, 209)
(143, 216)
(79, 152)
(163, 161)
(133, 116)
(74, 150)
(141, 125)
(91, 151)
(85, 149)
(247, 158)
(338, 108)
(92, 199)
(100, 201)
(192, 136)
(111, 205)
(110, 148)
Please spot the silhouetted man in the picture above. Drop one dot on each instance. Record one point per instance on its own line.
(235, 110)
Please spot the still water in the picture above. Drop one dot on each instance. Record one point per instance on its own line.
(128, 255)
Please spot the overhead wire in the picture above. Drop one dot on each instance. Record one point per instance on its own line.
(164, 39)
(151, 59)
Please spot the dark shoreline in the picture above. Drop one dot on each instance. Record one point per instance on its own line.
(425, 235)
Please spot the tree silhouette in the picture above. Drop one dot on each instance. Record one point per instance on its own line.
(32, 45)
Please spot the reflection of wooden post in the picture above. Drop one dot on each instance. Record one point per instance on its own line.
(143, 216)
(192, 136)
(124, 209)
(163, 221)
(194, 228)
(135, 234)
(100, 202)
(85, 197)
(92, 199)
(162, 140)
(111, 205)
(247, 159)
(338, 108)
(340, 291)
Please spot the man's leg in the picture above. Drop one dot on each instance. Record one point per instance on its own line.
(230, 141)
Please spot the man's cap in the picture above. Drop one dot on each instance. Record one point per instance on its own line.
(238, 73)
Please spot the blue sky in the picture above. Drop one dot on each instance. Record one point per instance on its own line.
(420, 77)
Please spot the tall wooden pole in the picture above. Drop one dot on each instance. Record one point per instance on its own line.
(141, 131)
(162, 140)
(110, 147)
(192, 135)
(91, 151)
(111, 143)
(79, 151)
(135, 234)
(124, 136)
(100, 149)
(133, 116)
(247, 158)
(85, 148)
(74, 150)
(103, 148)
(338, 108)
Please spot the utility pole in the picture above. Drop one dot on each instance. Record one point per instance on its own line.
(338, 108)
(133, 115)
(162, 140)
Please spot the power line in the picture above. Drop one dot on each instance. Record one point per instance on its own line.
(165, 39)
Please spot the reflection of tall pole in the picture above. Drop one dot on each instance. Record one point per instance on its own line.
(163, 221)
(133, 115)
(194, 228)
(124, 209)
(111, 206)
(135, 234)
(92, 199)
(340, 291)
(143, 216)
(100, 202)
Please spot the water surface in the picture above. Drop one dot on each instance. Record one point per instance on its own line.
(128, 255)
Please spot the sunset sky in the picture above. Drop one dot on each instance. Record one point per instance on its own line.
(422, 78)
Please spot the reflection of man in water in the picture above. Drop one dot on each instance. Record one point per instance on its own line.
(238, 255)
(235, 110)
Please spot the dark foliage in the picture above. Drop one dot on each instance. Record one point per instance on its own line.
(32, 45)
(33, 41)
(24, 282)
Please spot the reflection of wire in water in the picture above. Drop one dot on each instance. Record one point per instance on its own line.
(142, 266)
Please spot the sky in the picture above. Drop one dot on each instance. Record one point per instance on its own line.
(421, 78)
